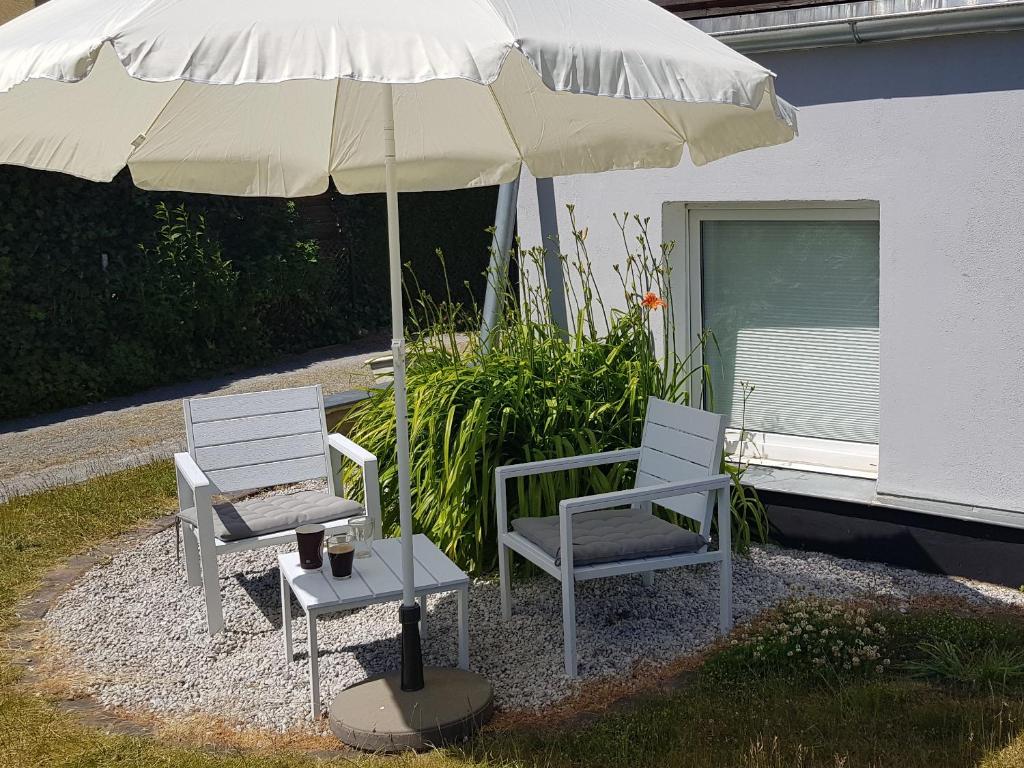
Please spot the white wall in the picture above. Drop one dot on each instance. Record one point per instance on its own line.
(934, 131)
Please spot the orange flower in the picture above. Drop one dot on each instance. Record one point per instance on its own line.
(652, 300)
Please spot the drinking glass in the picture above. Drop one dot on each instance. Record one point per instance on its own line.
(339, 551)
(362, 534)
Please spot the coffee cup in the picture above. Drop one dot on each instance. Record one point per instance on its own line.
(340, 553)
(311, 546)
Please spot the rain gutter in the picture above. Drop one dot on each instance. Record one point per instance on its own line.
(1002, 17)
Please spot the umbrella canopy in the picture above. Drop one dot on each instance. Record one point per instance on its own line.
(261, 97)
(271, 98)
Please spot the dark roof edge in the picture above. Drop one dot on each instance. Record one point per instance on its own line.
(805, 28)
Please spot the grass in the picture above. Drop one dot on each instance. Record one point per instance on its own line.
(980, 667)
(770, 723)
(964, 651)
(766, 721)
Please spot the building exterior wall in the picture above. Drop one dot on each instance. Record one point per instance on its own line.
(11, 8)
(933, 130)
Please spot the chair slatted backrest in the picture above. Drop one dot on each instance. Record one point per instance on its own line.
(259, 439)
(681, 443)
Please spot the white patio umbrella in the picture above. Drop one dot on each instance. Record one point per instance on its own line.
(270, 98)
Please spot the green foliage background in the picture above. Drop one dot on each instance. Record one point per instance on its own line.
(107, 290)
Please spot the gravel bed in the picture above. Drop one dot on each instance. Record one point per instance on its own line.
(137, 632)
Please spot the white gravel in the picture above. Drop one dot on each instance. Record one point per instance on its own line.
(137, 632)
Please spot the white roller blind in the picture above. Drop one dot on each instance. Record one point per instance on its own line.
(793, 306)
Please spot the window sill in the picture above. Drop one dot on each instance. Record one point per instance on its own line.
(805, 454)
(817, 469)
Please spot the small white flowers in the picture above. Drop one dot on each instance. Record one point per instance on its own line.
(827, 635)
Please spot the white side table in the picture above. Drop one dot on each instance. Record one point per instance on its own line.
(375, 579)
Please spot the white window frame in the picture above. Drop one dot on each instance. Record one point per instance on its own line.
(681, 225)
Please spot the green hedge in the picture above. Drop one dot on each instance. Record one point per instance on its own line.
(107, 290)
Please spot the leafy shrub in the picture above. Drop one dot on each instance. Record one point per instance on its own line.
(536, 393)
(805, 638)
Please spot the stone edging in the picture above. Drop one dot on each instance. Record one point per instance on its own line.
(23, 639)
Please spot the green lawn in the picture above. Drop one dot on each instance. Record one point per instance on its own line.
(769, 719)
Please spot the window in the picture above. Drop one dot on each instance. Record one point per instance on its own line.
(790, 296)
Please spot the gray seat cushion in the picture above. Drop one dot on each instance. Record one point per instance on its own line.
(254, 517)
(610, 536)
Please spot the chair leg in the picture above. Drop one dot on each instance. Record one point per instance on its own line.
(211, 587)
(725, 597)
(569, 624)
(193, 569)
(505, 581)
(647, 578)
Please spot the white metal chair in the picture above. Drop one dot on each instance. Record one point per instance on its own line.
(616, 533)
(254, 441)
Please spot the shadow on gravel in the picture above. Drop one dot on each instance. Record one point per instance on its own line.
(374, 656)
(264, 591)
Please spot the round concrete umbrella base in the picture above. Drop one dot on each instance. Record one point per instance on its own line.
(378, 716)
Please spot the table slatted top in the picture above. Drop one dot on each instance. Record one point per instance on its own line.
(375, 579)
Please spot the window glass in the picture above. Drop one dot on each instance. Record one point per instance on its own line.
(793, 307)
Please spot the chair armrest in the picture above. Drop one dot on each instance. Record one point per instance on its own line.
(501, 474)
(339, 444)
(189, 471)
(638, 495)
(194, 490)
(570, 462)
(349, 449)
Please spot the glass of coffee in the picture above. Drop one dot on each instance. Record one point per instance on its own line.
(340, 552)
(362, 534)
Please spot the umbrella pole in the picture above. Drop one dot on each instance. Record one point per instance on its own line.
(409, 612)
(396, 712)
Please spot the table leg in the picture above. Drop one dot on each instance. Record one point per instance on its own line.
(286, 617)
(314, 668)
(464, 628)
(423, 617)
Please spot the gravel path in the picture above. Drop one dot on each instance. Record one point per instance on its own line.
(136, 630)
(72, 445)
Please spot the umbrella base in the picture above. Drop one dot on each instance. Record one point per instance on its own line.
(378, 716)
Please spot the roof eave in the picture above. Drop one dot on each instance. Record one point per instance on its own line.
(966, 19)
